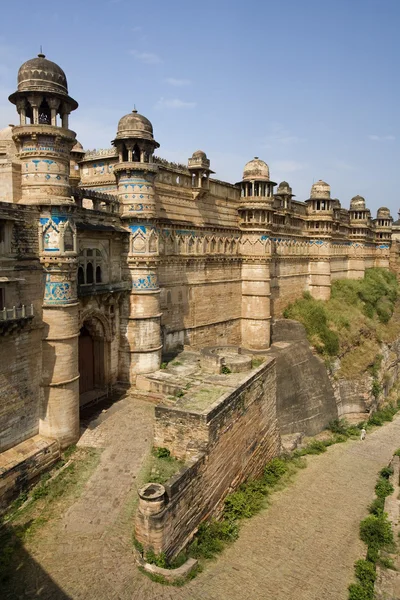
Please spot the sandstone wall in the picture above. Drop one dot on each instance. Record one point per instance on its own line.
(23, 464)
(228, 444)
(200, 302)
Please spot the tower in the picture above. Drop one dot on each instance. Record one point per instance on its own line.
(383, 236)
(135, 173)
(360, 235)
(320, 226)
(44, 144)
(256, 212)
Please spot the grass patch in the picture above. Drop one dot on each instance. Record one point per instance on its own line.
(21, 523)
(256, 362)
(161, 466)
(354, 321)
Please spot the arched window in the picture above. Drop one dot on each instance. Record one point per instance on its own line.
(91, 267)
(81, 276)
(124, 153)
(89, 273)
(136, 153)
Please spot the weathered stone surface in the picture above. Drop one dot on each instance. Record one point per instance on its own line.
(228, 442)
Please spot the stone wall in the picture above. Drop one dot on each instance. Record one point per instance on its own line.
(22, 465)
(305, 399)
(227, 444)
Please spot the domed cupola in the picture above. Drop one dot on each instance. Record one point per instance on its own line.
(360, 220)
(320, 190)
(256, 182)
(383, 225)
(256, 169)
(135, 140)
(42, 93)
(357, 203)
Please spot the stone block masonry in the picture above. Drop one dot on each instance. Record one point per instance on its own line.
(23, 464)
(225, 444)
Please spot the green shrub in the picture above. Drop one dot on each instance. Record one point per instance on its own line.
(339, 426)
(274, 470)
(383, 488)
(386, 472)
(376, 388)
(315, 447)
(377, 506)
(160, 560)
(357, 591)
(162, 452)
(225, 370)
(376, 531)
(243, 503)
(365, 571)
(212, 537)
(163, 365)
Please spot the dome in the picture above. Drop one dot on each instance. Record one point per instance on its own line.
(357, 203)
(256, 169)
(6, 133)
(383, 212)
(78, 148)
(135, 125)
(199, 154)
(42, 75)
(284, 188)
(320, 189)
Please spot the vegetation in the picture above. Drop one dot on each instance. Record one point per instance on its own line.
(161, 466)
(33, 508)
(376, 531)
(354, 321)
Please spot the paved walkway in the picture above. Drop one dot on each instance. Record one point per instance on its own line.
(302, 547)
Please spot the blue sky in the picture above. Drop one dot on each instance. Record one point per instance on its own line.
(309, 86)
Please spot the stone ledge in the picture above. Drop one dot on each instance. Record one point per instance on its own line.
(24, 463)
(172, 574)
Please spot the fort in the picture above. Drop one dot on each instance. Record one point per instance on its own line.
(113, 259)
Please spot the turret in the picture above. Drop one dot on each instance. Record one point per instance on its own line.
(257, 195)
(43, 139)
(135, 171)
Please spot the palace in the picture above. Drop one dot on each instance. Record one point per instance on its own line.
(110, 259)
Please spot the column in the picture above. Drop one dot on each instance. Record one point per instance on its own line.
(256, 311)
(59, 412)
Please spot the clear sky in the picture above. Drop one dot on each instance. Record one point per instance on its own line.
(310, 86)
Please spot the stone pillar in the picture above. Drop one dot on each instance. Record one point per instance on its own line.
(256, 309)
(320, 278)
(143, 331)
(59, 413)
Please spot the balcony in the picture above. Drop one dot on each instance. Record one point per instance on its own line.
(92, 289)
(15, 318)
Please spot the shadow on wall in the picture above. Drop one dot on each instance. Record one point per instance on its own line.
(20, 575)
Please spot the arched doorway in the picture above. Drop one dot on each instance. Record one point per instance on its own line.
(93, 361)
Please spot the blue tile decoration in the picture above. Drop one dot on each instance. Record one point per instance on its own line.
(148, 282)
(58, 292)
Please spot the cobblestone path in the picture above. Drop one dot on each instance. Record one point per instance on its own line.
(302, 547)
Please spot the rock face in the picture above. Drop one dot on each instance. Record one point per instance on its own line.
(305, 397)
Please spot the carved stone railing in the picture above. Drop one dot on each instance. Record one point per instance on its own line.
(100, 200)
(12, 319)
